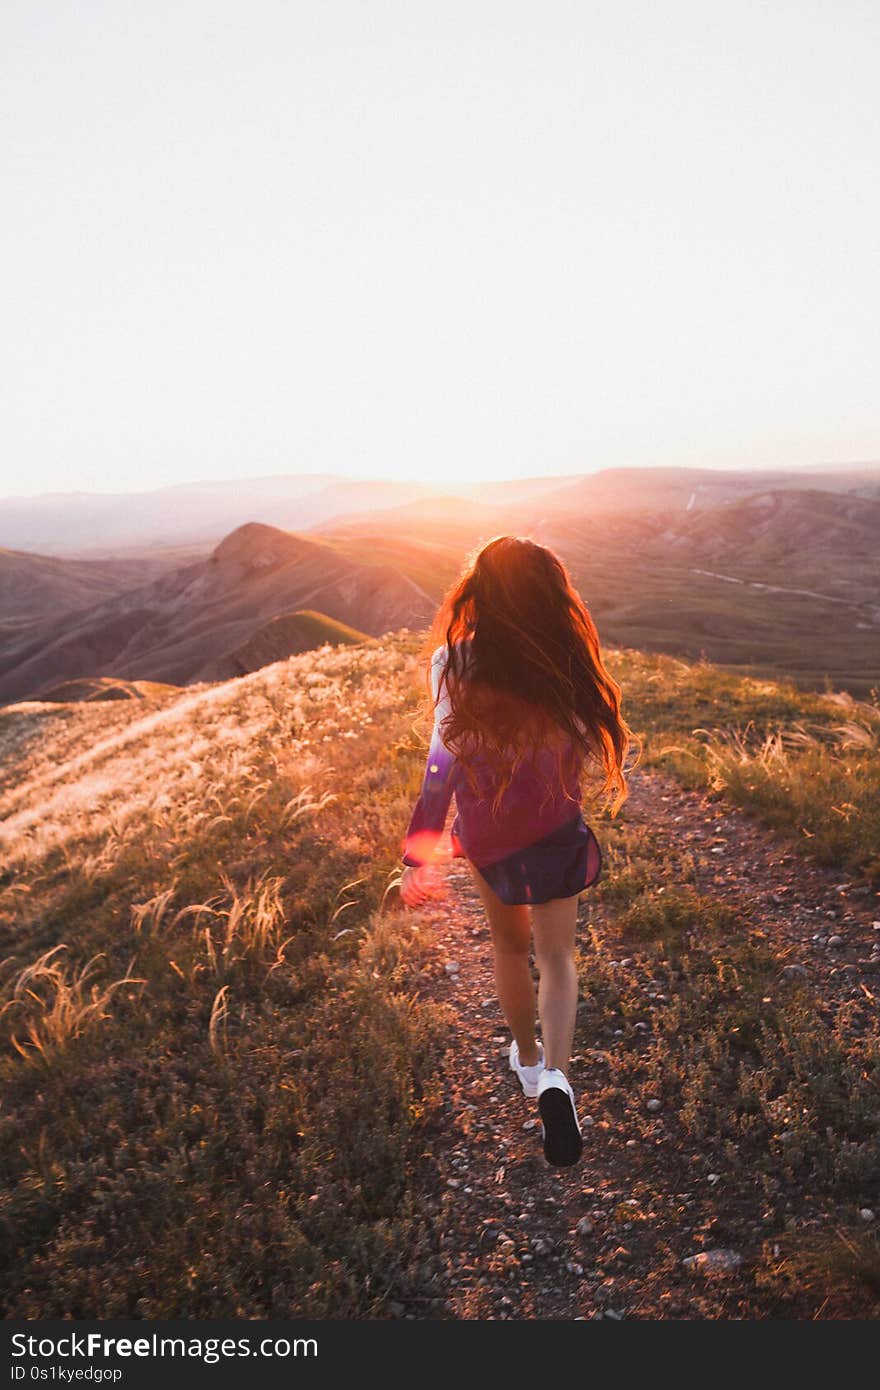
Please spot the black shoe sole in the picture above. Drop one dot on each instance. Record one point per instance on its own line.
(563, 1144)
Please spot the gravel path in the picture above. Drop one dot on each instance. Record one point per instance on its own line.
(610, 1237)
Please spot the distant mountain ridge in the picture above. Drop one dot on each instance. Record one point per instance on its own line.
(199, 514)
(74, 523)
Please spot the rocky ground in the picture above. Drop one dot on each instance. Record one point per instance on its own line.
(649, 1224)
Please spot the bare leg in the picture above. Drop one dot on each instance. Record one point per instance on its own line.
(511, 931)
(554, 927)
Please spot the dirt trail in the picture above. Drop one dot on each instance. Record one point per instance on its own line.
(608, 1238)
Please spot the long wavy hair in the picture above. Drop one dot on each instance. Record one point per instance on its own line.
(525, 674)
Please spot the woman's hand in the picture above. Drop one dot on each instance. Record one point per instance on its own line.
(421, 885)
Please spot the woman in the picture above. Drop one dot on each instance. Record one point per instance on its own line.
(523, 705)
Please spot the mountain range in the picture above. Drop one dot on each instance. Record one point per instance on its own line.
(200, 514)
(99, 525)
(763, 572)
(192, 623)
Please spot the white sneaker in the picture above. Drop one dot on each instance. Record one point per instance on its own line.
(528, 1076)
(560, 1126)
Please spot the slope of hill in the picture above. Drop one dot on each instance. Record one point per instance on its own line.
(106, 688)
(808, 535)
(281, 637)
(215, 1019)
(780, 583)
(35, 586)
(175, 628)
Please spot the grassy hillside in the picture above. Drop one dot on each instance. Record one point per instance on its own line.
(317, 629)
(219, 1073)
(806, 764)
(215, 1074)
(288, 634)
(107, 688)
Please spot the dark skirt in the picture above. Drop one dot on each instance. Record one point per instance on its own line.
(560, 865)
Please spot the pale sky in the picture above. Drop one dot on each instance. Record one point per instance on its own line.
(445, 239)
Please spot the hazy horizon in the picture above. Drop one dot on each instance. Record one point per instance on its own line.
(840, 465)
(448, 244)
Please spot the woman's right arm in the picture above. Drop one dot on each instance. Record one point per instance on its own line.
(438, 782)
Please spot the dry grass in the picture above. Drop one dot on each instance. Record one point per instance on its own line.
(209, 1014)
(768, 1085)
(839, 1271)
(808, 764)
(54, 1003)
(211, 1019)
